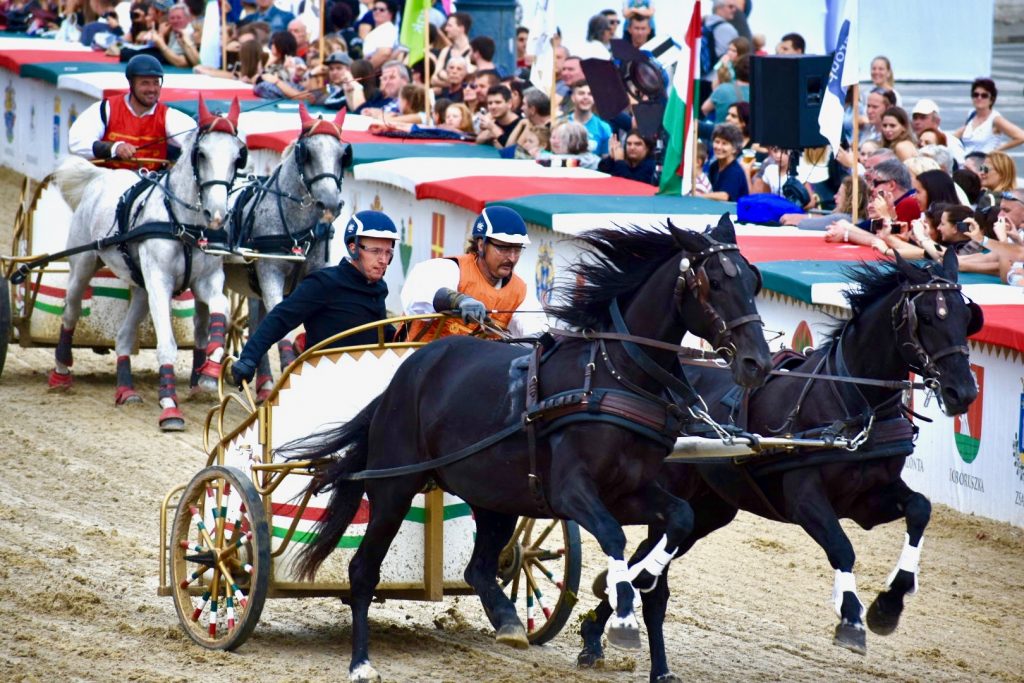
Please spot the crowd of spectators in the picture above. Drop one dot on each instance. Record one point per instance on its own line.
(914, 177)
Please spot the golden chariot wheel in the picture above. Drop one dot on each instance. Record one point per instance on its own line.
(539, 570)
(220, 558)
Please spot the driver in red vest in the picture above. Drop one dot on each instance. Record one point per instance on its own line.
(124, 127)
(478, 284)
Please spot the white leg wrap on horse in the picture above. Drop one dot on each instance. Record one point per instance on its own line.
(168, 403)
(217, 355)
(845, 583)
(364, 672)
(910, 561)
(654, 562)
(618, 572)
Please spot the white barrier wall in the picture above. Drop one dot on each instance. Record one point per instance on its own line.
(973, 463)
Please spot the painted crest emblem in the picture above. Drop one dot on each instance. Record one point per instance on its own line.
(545, 275)
(967, 427)
(802, 337)
(56, 125)
(1018, 448)
(405, 245)
(437, 235)
(10, 111)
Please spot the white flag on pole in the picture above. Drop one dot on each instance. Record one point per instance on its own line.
(209, 48)
(843, 74)
(542, 29)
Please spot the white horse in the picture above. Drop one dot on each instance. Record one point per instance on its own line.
(172, 216)
(284, 223)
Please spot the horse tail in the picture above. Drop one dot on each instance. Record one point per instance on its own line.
(73, 176)
(330, 473)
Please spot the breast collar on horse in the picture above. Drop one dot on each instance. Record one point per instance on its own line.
(297, 243)
(189, 234)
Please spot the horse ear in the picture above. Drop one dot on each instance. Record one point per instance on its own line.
(205, 117)
(724, 232)
(951, 265)
(234, 112)
(304, 117)
(339, 118)
(687, 239)
(908, 270)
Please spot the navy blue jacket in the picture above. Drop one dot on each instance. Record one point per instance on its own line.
(327, 302)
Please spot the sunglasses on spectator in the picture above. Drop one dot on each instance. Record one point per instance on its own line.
(380, 9)
(879, 181)
(984, 168)
(980, 95)
(1010, 197)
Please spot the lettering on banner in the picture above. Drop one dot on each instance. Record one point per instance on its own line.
(914, 464)
(1018, 498)
(967, 481)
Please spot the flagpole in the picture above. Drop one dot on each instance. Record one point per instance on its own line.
(855, 185)
(323, 36)
(223, 34)
(554, 83)
(426, 64)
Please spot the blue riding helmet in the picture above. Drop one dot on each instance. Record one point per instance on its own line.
(501, 223)
(370, 224)
(143, 65)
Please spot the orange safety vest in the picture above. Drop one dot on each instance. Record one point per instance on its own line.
(473, 283)
(124, 126)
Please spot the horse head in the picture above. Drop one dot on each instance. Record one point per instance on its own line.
(714, 295)
(215, 157)
(932, 320)
(319, 155)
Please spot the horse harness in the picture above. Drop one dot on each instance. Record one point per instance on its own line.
(659, 417)
(292, 243)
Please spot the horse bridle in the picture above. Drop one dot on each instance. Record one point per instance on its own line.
(240, 162)
(300, 154)
(904, 314)
(694, 277)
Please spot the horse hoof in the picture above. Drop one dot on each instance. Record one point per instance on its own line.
(668, 678)
(364, 673)
(624, 633)
(513, 635)
(588, 659)
(852, 637)
(171, 420)
(60, 382)
(126, 396)
(600, 586)
(881, 619)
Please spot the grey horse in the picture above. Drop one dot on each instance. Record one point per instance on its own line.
(176, 212)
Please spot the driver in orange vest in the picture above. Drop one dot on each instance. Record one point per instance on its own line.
(479, 284)
(124, 127)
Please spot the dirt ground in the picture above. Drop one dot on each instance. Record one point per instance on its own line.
(79, 499)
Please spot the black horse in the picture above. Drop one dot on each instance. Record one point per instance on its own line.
(577, 432)
(905, 318)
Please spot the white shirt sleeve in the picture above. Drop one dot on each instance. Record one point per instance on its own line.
(176, 125)
(423, 281)
(528, 320)
(87, 129)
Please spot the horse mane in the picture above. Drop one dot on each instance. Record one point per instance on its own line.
(615, 262)
(873, 281)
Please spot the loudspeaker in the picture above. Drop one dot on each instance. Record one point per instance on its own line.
(785, 98)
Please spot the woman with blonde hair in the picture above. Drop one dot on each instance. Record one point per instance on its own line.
(882, 76)
(998, 173)
(458, 118)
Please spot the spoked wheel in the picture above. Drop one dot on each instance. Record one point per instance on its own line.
(539, 569)
(220, 558)
(238, 323)
(5, 320)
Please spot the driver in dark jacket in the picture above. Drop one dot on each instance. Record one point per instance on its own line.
(335, 299)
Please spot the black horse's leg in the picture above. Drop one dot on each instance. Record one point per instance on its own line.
(887, 504)
(812, 510)
(493, 531)
(390, 500)
(710, 513)
(578, 500)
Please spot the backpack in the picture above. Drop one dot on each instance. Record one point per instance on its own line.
(708, 56)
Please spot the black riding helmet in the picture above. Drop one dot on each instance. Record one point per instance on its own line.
(143, 65)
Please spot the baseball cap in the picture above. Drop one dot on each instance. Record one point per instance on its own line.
(925, 107)
(163, 5)
(339, 57)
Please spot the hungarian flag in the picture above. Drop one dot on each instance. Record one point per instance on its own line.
(679, 112)
(414, 23)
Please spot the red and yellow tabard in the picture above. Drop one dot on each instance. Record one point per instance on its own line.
(148, 131)
(473, 283)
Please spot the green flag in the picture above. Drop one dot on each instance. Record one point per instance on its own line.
(413, 26)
